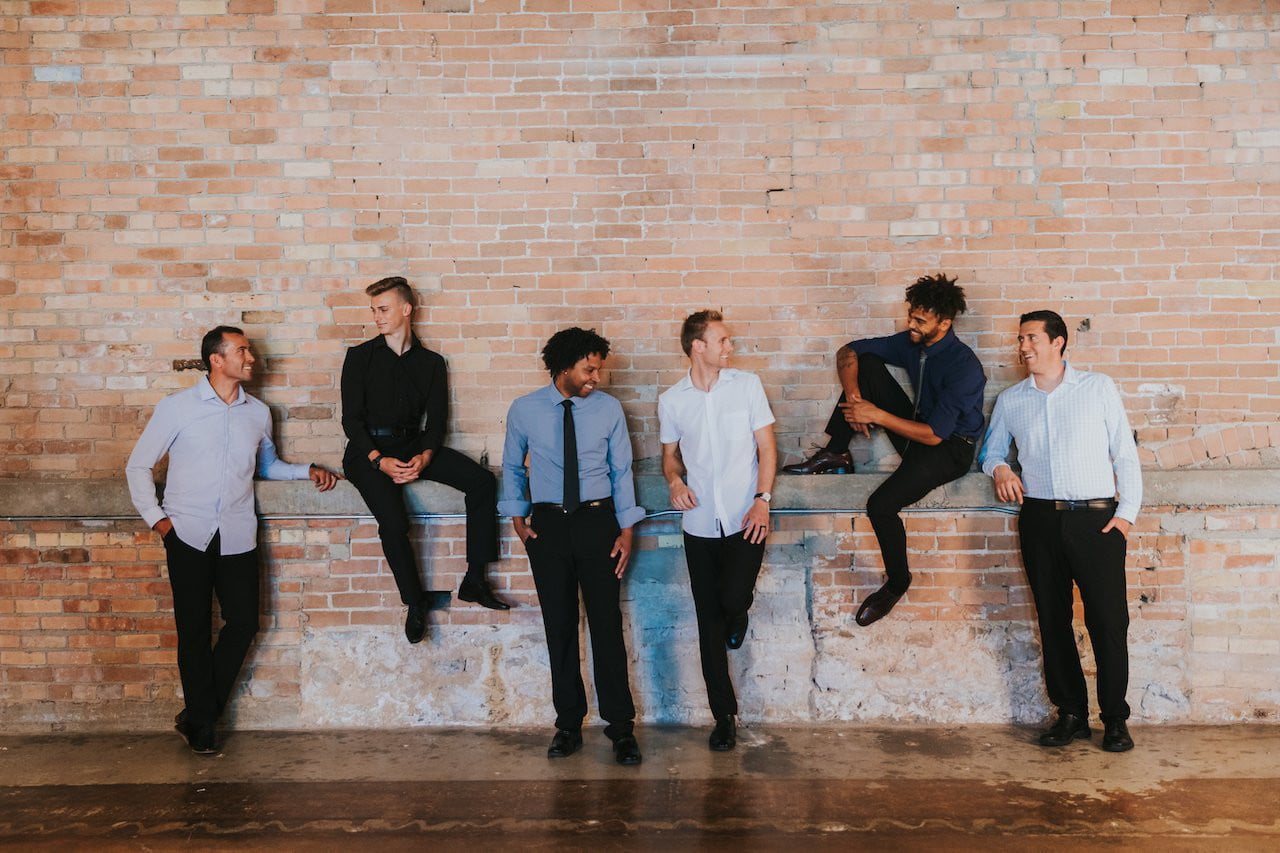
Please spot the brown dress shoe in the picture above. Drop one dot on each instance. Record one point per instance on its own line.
(823, 462)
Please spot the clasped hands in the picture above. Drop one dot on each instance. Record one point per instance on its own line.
(405, 472)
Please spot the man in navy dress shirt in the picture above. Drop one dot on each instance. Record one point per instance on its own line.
(935, 433)
(574, 512)
(216, 436)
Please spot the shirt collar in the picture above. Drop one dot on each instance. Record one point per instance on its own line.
(948, 340)
(205, 389)
(1070, 376)
(553, 395)
(727, 375)
(413, 342)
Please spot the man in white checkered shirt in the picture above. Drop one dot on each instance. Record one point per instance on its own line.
(1077, 455)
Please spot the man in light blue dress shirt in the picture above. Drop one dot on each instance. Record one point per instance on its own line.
(574, 512)
(1080, 490)
(216, 436)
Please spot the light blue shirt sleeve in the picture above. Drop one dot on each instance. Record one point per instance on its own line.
(514, 499)
(1124, 456)
(272, 467)
(153, 444)
(995, 445)
(620, 480)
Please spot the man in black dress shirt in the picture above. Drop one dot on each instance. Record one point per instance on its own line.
(388, 384)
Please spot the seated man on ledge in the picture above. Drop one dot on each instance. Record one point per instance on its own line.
(395, 409)
(935, 431)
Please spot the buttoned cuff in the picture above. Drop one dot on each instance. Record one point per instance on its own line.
(515, 509)
(1128, 511)
(629, 517)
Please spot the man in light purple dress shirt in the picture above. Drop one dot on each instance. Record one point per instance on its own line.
(216, 437)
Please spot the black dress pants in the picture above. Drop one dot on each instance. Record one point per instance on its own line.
(1061, 547)
(923, 468)
(571, 553)
(385, 500)
(722, 577)
(209, 673)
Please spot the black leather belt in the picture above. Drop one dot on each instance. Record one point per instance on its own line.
(394, 432)
(584, 505)
(1094, 503)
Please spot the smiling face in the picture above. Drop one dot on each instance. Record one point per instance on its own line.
(391, 313)
(715, 346)
(1041, 354)
(581, 379)
(233, 360)
(924, 326)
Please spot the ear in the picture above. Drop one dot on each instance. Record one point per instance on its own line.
(944, 324)
(406, 309)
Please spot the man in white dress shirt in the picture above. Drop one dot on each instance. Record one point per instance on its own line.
(216, 436)
(1077, 456)
(719, 458)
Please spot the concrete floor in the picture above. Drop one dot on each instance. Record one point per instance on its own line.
(978, 787)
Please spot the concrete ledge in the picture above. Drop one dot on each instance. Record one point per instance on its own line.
(110, 498)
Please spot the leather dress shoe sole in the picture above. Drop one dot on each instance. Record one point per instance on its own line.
(482, 595)
(877, 606)
(564, 744)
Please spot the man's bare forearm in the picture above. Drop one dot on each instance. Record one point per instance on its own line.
(847, 372)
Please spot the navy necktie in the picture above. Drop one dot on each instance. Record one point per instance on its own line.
(571, 498)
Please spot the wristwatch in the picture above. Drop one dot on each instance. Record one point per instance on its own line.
(765, 496)
(376, 461)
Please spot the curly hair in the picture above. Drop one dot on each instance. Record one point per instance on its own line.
(569, 346)
(937, 294)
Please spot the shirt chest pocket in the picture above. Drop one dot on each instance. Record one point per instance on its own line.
(731, 424)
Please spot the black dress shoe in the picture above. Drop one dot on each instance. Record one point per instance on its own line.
(1066, 729)
(736, 633)
(823, 462)
(478, 592)
(202, 740)
(877, 606)
(415, 623)
(725, 735)
(1115, 736)
(626, 750)
(564, 744)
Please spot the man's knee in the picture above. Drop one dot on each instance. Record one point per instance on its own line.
(881, 506)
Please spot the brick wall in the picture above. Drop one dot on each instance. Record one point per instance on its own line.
(86, 638)
(531, 164)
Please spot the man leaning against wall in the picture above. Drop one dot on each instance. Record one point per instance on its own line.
(1080, 489)
(216, 436)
